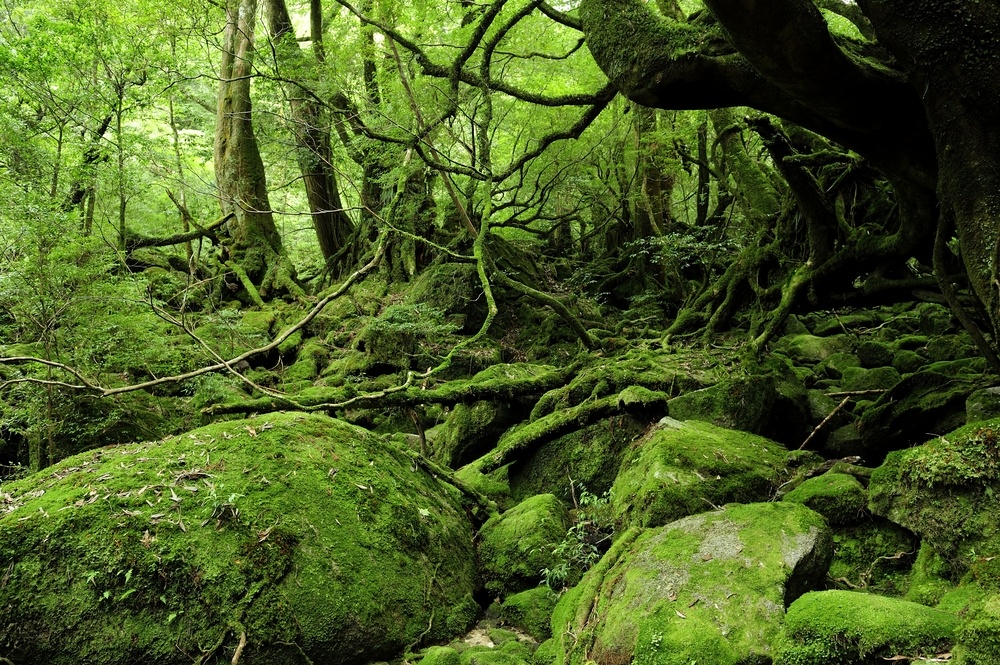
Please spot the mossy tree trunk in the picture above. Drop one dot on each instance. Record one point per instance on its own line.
(919, 106)
(951, 52)
(311, 126)
(254, 250)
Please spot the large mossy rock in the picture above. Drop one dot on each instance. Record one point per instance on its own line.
(680, 469)
(773, 404)
(302, 534)
(851, 628)
(710, 588)
(516, 546)
(946, 491)
(838, 497)
(928, 401)
(589, 457)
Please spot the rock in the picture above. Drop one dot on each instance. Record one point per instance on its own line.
(516, 546)
(811, 349)
(686, 468)
(836, 363)
(920, 403)
(943, 491)
(875, 555)
(979, 634)
(935, 319)
(530, 611)
(471, 430)
(440, 656)
(983, 405)
(589, 455)
(880, 378)
(710, 588)
(297, 531)
(838, 497)
(772, 405)
(907, 362)
(826, 627)
(874, 354)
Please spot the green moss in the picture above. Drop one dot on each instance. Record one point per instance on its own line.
(440, 656)
(288, 347)
(487, 656)
(516, 546)
(875, 555)
(879, 378)
(874, 354)
(836, 363)
(546, 653)
(907, 362)
(710, 588)
(849, 628)
(811, 349)
(470, 431)
(590, 455)
(838, 497)
(945, 490)
(685, 468)
(769, 404)
(258, 322)
(302, 531)
(979, 634)
(930, 579)
(531, 611)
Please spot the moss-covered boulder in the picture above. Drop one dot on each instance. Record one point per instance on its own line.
(516, 546)
(878, 378)
(530, 611)
(811, 349)
(772, 404)
(296, 534)
(979, 635)
(927, 401)
(851, 628)
(680, 469)
(589, 455)
(710, 588)
(983, 405)
(470, 431)
(948, 492)
(838, 497)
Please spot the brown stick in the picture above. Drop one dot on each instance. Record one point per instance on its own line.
(239, 648)
(816, 429)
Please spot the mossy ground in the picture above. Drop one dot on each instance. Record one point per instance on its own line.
(304, 533)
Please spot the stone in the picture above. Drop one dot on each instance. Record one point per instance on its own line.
(826, 627)
(710, 588)
(686, 468)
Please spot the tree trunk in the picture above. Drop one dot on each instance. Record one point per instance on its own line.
(254, 248)
(951, 53)
(312, 134)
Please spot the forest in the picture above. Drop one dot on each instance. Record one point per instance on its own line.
(500, 332)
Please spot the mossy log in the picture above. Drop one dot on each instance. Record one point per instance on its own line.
(500, 382)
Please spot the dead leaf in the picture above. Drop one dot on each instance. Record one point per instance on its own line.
(679, 614)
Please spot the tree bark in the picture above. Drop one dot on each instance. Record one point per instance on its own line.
(255, 244)
(311, 126)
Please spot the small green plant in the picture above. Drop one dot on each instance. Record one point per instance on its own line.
(579, 550)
